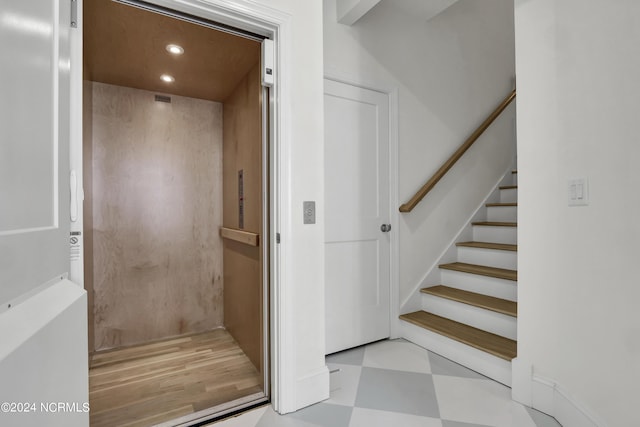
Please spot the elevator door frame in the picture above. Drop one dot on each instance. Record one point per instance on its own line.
(274, 25)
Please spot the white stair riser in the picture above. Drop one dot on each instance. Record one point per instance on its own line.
(502, 213)
(509, 196)
(514, 179)
(499, 288)
(477, 360)
(483, 233)
(488, 257)
(487, 320)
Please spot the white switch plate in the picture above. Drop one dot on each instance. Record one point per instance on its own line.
(578, 192)
(309, 212)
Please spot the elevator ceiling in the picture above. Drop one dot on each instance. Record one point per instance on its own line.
(126, 46)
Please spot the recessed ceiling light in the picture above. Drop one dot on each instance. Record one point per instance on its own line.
(167, 78)
(175, 49)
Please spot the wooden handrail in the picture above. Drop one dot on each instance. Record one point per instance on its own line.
(408, 207)
(246, 237)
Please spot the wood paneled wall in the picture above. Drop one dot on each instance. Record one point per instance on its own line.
(157, 208)
(243, 313)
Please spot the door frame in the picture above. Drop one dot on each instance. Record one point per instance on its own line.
(275, 25)
(394, 256)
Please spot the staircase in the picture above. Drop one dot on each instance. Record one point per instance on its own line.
(470, 316)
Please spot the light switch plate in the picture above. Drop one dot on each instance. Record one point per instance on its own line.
(578, 192)
(309, 212)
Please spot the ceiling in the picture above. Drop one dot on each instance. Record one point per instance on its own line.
(126, 46)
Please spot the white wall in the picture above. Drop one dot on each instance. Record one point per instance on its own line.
(578, 323)
(43, 359)
(450, 73)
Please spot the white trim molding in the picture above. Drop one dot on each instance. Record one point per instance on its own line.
(394, 214)
(549, 397)
(313, 388)
(521, 374)
(561, 405)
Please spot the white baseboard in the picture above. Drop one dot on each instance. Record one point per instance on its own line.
(521, 373)
(549, 397)
(563, 406)
(312, 388)
(543, 395)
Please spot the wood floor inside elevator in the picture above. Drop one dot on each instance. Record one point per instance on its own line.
(152, 383)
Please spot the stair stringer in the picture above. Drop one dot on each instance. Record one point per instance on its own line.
(432, 276)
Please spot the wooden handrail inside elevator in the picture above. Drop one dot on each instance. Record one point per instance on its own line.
(437, 176)
(246, 237)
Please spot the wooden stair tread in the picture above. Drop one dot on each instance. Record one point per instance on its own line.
(500, 205)
(487, 302)
(495, 224)
(496, 345)
(482, 270)
(489, 245)
(508, 187)
(514, 171)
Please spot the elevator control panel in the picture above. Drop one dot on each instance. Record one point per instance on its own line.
(241, 198)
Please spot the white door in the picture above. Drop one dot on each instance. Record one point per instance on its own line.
(357, 250)
(43, 356)
(34, 150)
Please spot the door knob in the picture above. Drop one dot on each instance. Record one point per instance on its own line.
(385, 228)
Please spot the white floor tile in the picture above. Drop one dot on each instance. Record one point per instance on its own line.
(398, 386)
(362, 417)
(397, 355)
(478, 401)
(322, 415)
(348, 378)
(397, 391)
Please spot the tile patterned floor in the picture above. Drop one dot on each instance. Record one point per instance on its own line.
(396, 383)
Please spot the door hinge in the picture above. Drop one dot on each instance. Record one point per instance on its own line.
(74, 13)
(278, 238)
